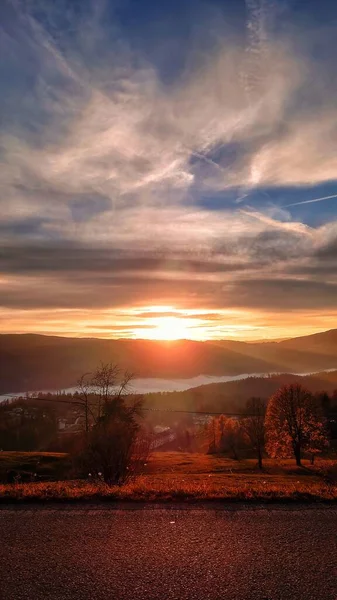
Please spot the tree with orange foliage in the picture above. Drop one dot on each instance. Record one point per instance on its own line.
(317, 436)
(253, 426)
(293, 423)
(228, 436)
(224, 435)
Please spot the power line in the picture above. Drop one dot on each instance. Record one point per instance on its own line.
(199, 412)
(147, 409)
(164, 410)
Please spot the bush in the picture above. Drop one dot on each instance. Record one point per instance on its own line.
(115, 448)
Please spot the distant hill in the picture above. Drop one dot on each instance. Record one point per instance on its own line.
(238, 391)
(232, 395)
(31, 362)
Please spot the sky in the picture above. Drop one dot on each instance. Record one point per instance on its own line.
(168, 169)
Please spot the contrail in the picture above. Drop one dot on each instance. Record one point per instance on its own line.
(310, 201)
(257, 48)
(206, 159)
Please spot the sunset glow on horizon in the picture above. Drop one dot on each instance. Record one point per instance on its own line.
(166, 323)
(166, 328)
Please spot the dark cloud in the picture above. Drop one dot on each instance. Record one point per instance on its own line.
(285, 294)
(155, 314)
(63, 257)
(99, 292)
(273, 245)
(117, 291)
(315, 269)
(21, 228)
(70, 275)
(328, 252)
(119, 328)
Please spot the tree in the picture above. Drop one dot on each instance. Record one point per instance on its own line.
(230, 436)
(210, 433)
(26, 425)
(114, 444)
(83, 393)
(253, 426)
(328, 406)
(97, 388)
(292, 422)
(224, 435)
(317, 438)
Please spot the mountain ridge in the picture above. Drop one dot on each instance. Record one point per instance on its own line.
(34, 361)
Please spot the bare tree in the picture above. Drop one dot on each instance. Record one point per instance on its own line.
(113, 441)
(95, 389)
(253, 426)
(115, 444)
(107, 382)
(83, 386)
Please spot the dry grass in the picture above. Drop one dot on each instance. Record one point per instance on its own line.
(193, 463)
(44, 465)
(176, 476)
(173, 489)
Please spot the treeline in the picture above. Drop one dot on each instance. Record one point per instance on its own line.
(293, 422)
(28, 426)
(110, 444)
(231, 396)
(50, 422)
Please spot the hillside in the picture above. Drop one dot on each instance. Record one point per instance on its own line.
(232, 395)
(32, 362)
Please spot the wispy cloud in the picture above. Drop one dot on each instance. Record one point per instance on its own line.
(103, 163)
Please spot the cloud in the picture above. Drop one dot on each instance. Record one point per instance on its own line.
(130, 138)
(127, 134)
(286, 294)
(102, 166)
(168, 270)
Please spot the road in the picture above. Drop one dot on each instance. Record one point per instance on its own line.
(179, 552)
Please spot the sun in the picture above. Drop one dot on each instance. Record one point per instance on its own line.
(168, 328)
(168, 323)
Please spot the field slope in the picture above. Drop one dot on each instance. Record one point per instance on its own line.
(176, 476)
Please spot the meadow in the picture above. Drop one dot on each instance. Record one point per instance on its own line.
(173, 476)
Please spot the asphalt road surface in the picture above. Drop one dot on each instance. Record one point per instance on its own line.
(101, 553)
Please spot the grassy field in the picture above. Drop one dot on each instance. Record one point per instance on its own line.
(178, 476)
(34, 465)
